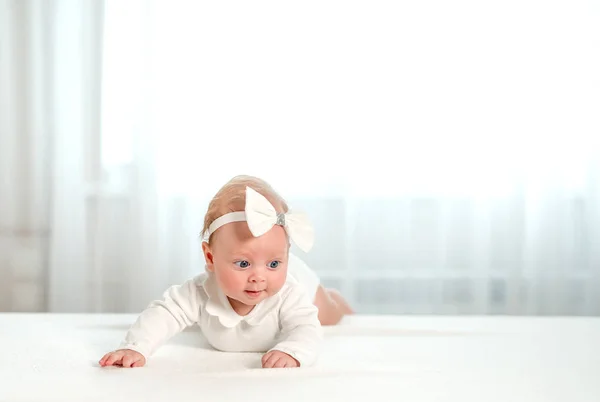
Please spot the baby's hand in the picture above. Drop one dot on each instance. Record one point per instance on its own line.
(278, 359)
(123, 357)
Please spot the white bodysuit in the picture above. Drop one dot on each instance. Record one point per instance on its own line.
(287, 321)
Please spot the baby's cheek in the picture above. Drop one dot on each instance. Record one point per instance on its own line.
(278, 279)
(233, 281)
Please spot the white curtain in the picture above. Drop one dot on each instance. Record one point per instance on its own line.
(49, 142)
(448, 153)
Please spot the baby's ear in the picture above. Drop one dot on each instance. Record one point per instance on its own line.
(208, 256)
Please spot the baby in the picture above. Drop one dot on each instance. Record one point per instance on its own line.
(255, 296)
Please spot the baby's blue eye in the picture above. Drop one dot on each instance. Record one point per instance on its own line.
(273, 264)
(242, 264)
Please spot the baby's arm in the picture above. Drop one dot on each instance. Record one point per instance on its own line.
(162, 319)
(301, 332)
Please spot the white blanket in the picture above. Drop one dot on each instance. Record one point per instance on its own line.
(367, 358)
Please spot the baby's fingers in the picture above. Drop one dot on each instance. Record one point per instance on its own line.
(266, 357)
(281, 363)
(104, 358)
(139, 363)
(114, 358)
(272, 360)
(128, 361)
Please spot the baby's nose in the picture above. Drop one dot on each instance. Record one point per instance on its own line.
(256, 275)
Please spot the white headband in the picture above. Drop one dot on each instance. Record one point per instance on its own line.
(262, 216)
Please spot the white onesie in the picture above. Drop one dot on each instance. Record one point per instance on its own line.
(287, 321)
(304, 275)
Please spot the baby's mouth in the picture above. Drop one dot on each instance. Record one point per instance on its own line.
(253, 293)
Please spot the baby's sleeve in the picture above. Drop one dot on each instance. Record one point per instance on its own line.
(179, 308)
(301, 332)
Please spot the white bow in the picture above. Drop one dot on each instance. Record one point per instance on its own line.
(262, 216)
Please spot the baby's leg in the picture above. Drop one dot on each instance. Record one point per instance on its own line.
(332, 306)
(341, 302)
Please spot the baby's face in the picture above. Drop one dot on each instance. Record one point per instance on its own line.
(249, 269)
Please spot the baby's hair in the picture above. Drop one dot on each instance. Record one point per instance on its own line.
(232, 198)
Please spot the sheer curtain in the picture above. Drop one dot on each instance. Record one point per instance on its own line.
(49, 141)
(448, 154)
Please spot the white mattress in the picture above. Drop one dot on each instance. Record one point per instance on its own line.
(367, 358)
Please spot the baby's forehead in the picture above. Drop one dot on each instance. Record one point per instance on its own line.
(256, 249)
(236, 237)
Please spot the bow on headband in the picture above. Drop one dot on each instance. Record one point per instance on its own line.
(262, 216)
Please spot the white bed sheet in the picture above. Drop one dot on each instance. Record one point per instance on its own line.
(367, 358)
